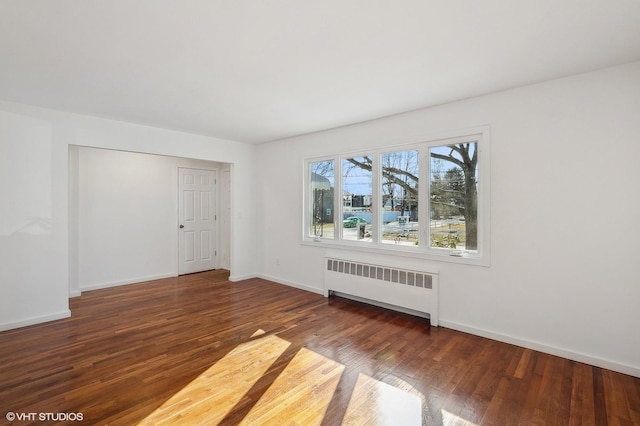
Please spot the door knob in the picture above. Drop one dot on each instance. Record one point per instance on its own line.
(181, 226)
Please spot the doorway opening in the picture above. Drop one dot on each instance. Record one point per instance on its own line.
(124, 216)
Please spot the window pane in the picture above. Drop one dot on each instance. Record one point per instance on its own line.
(399, 190)
(453, 196)
(322, 188)
(357, 186)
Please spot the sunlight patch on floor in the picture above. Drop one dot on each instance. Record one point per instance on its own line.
(374, 402)
(449, 419)
(300, 394)
(213, 394)
(258, 332)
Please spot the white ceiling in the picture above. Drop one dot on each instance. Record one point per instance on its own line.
(261, 70)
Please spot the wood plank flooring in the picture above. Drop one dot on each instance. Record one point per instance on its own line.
(198, 350)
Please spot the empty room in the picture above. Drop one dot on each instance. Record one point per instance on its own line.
(334, 212)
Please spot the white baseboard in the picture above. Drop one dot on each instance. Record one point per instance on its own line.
(235, 278)
(292, 284)
(125, 282)
(541, 347)
(35, 320)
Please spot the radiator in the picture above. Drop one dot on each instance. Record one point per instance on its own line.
(396, 287)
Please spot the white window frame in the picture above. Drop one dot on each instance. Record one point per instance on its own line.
(479, 257)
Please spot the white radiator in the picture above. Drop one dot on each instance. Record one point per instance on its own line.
(397, 287)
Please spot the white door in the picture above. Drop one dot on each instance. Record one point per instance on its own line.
(197, 220)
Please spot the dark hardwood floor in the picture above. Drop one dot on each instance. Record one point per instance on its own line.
(191, 350)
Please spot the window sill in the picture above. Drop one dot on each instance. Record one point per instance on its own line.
(434, 255)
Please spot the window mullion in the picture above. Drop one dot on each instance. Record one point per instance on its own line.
(424, 219)
(337, 218)
(376, 195)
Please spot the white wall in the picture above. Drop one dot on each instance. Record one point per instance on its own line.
(33, 227)
(564, 275)
(128, 216)
(36, 213)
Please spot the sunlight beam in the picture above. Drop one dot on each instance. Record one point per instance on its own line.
(453, 420)
(300, 394)
(374, 402)
(213, 394)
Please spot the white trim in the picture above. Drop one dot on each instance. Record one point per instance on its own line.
(393, 250)
(137, 280)
(236, 278)
(304, 287)
(481, 257)
(542, 347)
(75, 293)
(35, 320)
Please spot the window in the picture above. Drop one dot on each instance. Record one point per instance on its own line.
(381, 204)
(321, 189)
(357, 182)
(400, 194)
(453, 196)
